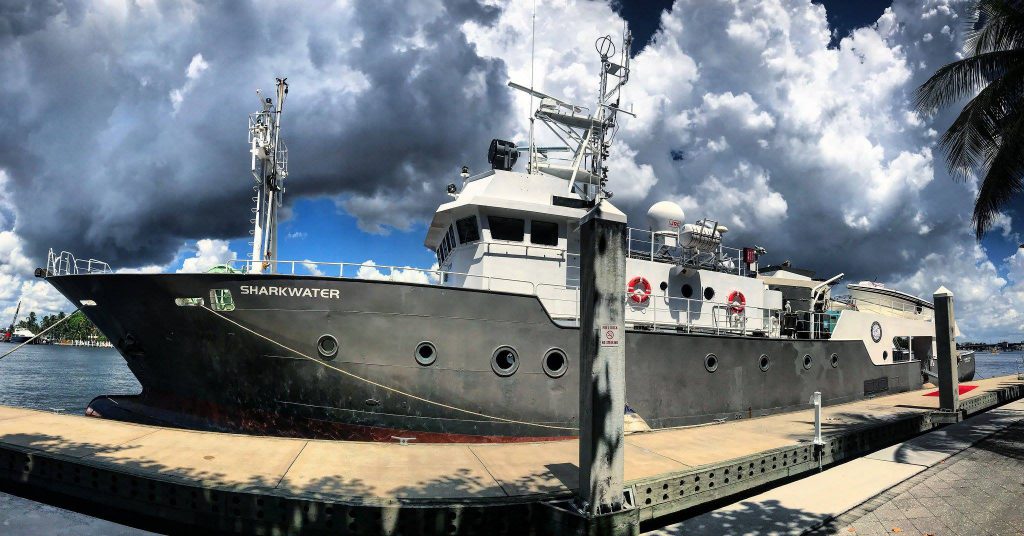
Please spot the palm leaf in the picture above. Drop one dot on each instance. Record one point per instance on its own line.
(1004, 179)
(964, 77)
(995, 25)
(973, 137)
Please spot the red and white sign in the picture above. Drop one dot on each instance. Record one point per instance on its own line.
(610, 335)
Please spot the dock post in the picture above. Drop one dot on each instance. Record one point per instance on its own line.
(949, 378)
(602, 361)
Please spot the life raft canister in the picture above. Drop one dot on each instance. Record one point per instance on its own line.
(737, 302)
(639, 289)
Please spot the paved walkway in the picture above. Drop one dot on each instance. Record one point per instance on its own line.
(966, 478)
(22, 517)
(977, 492)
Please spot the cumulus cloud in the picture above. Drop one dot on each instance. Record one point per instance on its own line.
(745, 115)
(136, 114)
(209, 253)
(192, 73)
(370, 270)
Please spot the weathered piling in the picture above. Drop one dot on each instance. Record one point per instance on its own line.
(602, 361)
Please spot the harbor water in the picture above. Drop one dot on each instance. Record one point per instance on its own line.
(62, 378)
(66, 378)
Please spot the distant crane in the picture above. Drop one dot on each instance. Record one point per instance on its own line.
(10, 330)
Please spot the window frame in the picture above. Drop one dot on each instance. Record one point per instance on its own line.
(557, 233)
(522, 228)
(476, 229)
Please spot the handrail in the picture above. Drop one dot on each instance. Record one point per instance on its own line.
(641, 244)
(65, 263)
(433, 276)
(669, 313)
(895, 304)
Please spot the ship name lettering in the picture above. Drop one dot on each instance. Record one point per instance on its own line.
(295, 292)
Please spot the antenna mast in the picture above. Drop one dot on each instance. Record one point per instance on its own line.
(269, 170)
(584, 133)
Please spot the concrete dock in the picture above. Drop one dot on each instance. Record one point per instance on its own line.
(266, 485)
(949, 481)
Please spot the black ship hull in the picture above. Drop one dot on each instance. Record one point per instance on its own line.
(240, 369)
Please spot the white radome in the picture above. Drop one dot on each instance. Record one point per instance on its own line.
(665, 216)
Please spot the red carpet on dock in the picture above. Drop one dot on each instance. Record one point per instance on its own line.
(963, 389)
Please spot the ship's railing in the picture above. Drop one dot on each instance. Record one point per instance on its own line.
(663, 247)
(662, 313)
(894, 304)
(64, 263)
(380, 272)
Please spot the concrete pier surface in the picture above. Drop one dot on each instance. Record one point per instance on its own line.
(966, 478)
(267, 485)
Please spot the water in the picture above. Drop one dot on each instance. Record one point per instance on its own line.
(991, 365)
(63, 378)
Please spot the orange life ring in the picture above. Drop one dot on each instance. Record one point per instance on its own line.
(734, 297)
(639, 289)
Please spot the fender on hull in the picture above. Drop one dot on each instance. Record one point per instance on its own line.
(188, 353)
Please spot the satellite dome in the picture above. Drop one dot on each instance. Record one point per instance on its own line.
(665, 216)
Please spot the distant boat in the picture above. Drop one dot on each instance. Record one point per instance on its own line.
(21, 335)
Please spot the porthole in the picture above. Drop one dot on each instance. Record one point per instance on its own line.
(885, 355)
(327, 346)
(763, 362)
(505, 361)
(711, 362)
(808, 361)
(663, 286)
(709, 293)
(687, 291)
(555, 363)
(834, 360)
(425, 353)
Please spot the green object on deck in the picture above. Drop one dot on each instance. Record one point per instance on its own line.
(223, 269)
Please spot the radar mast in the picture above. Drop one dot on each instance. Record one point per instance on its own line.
(584, 133)
(269, 170)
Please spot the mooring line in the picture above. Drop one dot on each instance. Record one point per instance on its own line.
(382, 386)
(59, 322)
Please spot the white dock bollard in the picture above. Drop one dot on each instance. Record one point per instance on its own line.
(819, 443)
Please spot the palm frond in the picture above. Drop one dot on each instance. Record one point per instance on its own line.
(995, 25)
(962, 78)
(974, 135)
(1004, 179)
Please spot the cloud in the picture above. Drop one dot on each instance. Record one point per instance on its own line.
(192, 73)
(297, 235)
(149, 269)
(209, 253)
(745, 115)
(136, 114)
(407, 274)
(312, 268)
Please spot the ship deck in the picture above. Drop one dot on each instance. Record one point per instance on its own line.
(271, 485)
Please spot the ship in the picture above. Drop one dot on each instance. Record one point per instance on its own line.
(485, 348)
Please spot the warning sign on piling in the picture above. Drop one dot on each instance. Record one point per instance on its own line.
(610, 335)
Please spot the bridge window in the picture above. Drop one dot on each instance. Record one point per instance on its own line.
(544, 233)
(446, 246)
(468, 230)
(510, 229)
